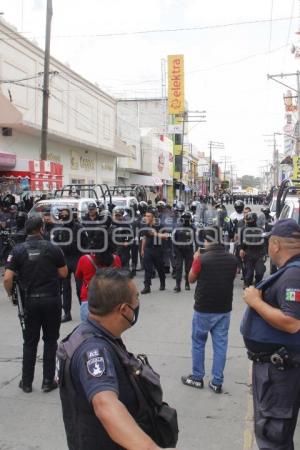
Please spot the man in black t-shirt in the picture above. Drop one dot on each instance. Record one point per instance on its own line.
(39, 264)
(215, 273)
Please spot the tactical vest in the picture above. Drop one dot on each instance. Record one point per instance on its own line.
(255, 328)
(83, 429)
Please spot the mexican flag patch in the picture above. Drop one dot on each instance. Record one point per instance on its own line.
(292, 295)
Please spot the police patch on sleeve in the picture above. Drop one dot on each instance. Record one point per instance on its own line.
(292, 295)
(95, 364)
(9, 258)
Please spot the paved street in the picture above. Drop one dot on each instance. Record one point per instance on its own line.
(207, 421)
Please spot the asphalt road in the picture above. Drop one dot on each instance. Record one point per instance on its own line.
(206, 420)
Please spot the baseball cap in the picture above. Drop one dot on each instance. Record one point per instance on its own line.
(286, 228)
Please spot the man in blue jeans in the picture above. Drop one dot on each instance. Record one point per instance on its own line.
(214, 272)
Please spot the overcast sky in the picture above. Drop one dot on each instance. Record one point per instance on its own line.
(226, 68)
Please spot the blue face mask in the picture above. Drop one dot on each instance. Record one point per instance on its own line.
(136, 311)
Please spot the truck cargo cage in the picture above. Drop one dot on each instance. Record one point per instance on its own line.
(100, 192)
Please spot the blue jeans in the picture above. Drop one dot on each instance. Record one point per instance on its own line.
(84, 311)
(218, 326)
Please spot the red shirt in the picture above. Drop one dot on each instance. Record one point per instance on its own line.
(85, 271)
(196, 266)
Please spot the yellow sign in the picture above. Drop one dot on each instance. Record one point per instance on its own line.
(296, 167)
(175, 84)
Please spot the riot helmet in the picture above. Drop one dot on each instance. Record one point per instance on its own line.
(179, 207)
(186, 218)
(194, 206)
(143, 206)
(239, 206)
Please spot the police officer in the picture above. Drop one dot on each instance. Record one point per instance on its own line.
(121, 235)
(101, 408)
(183, 243)
(252, 250)
(49, 224)
(67, 237)
(152, 252)
(39, 265)
(92, 220)
(271, 331)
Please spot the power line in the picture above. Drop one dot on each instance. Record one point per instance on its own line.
(171, 30)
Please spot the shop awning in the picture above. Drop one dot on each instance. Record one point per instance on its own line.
(145, 180)
(9, 114)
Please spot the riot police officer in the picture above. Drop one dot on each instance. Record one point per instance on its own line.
(121, 235)
(252, 250)
(39, 265)
(183, 244)
(67, 237)
(49, 224)
(271, 331)
(152, 252)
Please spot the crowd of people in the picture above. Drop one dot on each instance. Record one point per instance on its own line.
(115, 397)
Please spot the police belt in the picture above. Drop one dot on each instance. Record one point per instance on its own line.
(282, 359)
(38, 296)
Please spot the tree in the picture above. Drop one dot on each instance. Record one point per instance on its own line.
(250, 181)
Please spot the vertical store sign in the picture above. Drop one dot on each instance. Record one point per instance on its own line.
(175, 84)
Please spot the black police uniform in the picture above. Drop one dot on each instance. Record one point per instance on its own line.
(68, 233)
(94, 368)
(153, 256)
(253, 244)
(94, 236)
(183, 244)
(276, 388)
(36, 263)
(122, 236)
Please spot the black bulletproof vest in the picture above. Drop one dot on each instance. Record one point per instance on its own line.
(83, 429)
(214, 288)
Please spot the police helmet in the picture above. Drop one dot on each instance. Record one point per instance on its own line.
(239, 206)
(152, 210)
(194, 206)
(143, 206)
(186, 218)
(179, 207)
(105, 218)
(251, 218)
(118, 211)
(161, 204)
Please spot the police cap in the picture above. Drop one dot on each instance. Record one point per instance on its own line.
(286, 228)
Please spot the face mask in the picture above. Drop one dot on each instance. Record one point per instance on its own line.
(136, 315)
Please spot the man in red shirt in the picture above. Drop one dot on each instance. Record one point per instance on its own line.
(86, 269)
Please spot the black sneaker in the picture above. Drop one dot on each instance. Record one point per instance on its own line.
(162, 287)
(217, 388)
(49, 386)
(177, 289)
(191, 381)
(27, 388)
(187, 287)
(146, 290)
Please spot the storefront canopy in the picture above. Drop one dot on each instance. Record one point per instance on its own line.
(9, 114)
(145, 180)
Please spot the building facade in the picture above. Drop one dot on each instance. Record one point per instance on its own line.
(82, 118)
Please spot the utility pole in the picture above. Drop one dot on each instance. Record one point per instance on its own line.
(187, 117)
(297, 75)
(215, 145)
(44, 136)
